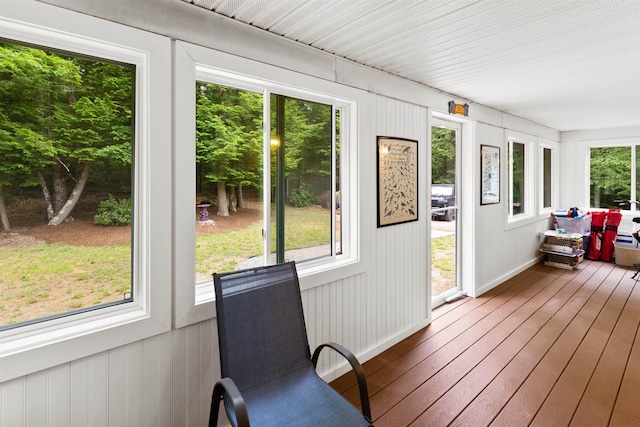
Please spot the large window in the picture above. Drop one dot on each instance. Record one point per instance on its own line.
(521, 188)
(65, 183)
(288, 209)
(83, 110)
(547, 178)
(611, 170)
(265, 174)
(548, 169)
(517, 189)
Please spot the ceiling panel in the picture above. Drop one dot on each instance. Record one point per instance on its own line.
(571, 64)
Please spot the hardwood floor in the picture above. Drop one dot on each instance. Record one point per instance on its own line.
(549, 347)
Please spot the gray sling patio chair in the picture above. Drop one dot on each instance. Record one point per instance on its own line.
(268, 372)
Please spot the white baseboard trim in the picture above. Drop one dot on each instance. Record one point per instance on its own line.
(507, 276)
(343, 368)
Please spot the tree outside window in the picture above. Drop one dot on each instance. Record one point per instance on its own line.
(66, 126)
(230, 175)
(610, 176)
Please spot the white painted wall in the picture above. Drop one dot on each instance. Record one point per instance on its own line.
(166, 380)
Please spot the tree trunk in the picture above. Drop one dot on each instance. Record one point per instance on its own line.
(46, 195)
(232, 200)
(4, 217)
(59, 186)
(73, 199)
(240, 197)
(223, 201)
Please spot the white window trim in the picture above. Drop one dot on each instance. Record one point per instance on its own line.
(530, 213)
(34, 347)
(195, 303)
(555, 173)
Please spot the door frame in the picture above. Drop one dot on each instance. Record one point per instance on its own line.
(466, 200)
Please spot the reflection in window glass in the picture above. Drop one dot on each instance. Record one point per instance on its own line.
(229, 182)
(303, 166)
(610, 176)
(546, 177)
(516, 155)
(65, 183)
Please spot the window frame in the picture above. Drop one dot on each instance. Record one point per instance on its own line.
(529, 142)
(196, 303)
(633, 193)
(555, 182)
(37, 346)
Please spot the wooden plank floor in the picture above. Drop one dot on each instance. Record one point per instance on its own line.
(549, 347)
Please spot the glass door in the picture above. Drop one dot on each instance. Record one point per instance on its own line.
(445, 142)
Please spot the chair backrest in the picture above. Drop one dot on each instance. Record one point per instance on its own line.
(261, 329)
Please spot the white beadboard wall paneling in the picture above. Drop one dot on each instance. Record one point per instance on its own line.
(488, 236)
(209, 369)
(58, 403)
(157, 381)
(194, 369)
(13, 405)
(180, 384)
(125, 385)
(90, 377)
(81, 395)
(399, 271)
(37, 397)
(192, 374)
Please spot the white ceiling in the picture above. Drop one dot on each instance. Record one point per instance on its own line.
(570, 65)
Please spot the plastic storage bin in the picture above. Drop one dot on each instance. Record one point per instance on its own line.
(626, 254)
(580, 225)
(562, 250)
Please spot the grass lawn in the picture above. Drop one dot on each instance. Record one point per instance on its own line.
(43, 279)
(443, 265)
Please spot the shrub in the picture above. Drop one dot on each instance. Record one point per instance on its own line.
(302, 196)
(113, 212)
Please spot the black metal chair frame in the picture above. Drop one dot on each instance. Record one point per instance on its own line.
(226, 390)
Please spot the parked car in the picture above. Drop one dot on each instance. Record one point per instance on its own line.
(442, 196)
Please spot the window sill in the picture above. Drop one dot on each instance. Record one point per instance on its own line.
(33, 348)
(311, 275)
(520, 221)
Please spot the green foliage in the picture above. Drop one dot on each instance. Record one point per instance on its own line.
(443, 155)
(113, 212)
(228, 135)
(610, 176)
(62, 111)
(302, 196)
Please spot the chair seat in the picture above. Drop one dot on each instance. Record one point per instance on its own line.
(301, 398)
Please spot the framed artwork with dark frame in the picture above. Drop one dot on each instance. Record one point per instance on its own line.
(489, 174)
(397, 180)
